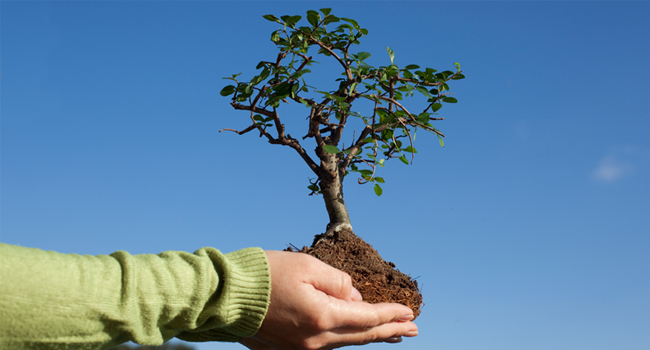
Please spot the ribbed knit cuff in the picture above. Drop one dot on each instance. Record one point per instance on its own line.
(244, 299)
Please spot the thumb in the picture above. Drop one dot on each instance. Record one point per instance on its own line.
(333, 282)
(356, 295)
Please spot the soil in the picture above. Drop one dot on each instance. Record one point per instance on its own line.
(378, 281)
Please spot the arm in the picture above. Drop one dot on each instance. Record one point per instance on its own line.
(66, 301)
(50, 300)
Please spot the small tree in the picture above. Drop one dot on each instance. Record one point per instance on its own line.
(385, 127)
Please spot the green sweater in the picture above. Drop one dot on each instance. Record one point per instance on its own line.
(50, 300)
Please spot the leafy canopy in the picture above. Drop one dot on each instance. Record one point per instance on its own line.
(386, 125)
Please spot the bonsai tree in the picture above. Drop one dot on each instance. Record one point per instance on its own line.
(382, 129)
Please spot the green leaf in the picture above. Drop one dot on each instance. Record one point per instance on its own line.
(436, 106)
(259, 118)
(326, 11)
(351, 21)
(410, 149)
(275, 36)
(265, 74)
(442, 143)
(364, 31)
(378, 190)
(303, 101)
(331, 149)
(391, 54)
(313, 17)
(392, 71)
(458, 77)
(340, 45)
(449, 100)
(412, 66)
(330, 19)
(403, 159)
(294, 90)
(228, 90)
(423, 118)
(354, 86)
(314, 187)
(299, 73)
(380, 180)
(363, 55)
(272, 18)
(282, 90)
(387, 135)
(291, 21)
(424, 91)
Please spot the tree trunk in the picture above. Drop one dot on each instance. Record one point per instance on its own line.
(332, 189)
(333, 196)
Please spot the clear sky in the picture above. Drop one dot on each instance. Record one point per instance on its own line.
(529, 230)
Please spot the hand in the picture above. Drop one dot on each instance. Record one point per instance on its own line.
(314, 306)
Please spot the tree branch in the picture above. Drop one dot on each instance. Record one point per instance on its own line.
(252, 127)
(331, 52)
(281, 139)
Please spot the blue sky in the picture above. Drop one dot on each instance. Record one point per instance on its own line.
(529, 230)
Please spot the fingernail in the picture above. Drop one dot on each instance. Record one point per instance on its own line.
(411, 333)
(405, 318)
(356, 296)
(394, 340)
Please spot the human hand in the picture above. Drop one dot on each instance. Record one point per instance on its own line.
(314, 306)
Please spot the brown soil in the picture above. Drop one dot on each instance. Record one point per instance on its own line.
(377, 280)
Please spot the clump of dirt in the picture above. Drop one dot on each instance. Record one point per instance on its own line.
(378, 281)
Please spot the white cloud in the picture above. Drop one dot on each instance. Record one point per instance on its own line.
(612, 167)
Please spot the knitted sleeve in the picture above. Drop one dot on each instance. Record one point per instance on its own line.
(50, 300)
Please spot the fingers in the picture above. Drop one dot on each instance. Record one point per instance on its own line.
(356, 295)
(358, 314)
(359, 323)
(389, 332)
(331, 281)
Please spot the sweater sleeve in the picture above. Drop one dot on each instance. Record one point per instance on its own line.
(50, 300)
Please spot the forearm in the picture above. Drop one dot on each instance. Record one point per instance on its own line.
(68, 301)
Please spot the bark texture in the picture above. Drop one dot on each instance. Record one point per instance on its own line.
(331, 184)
